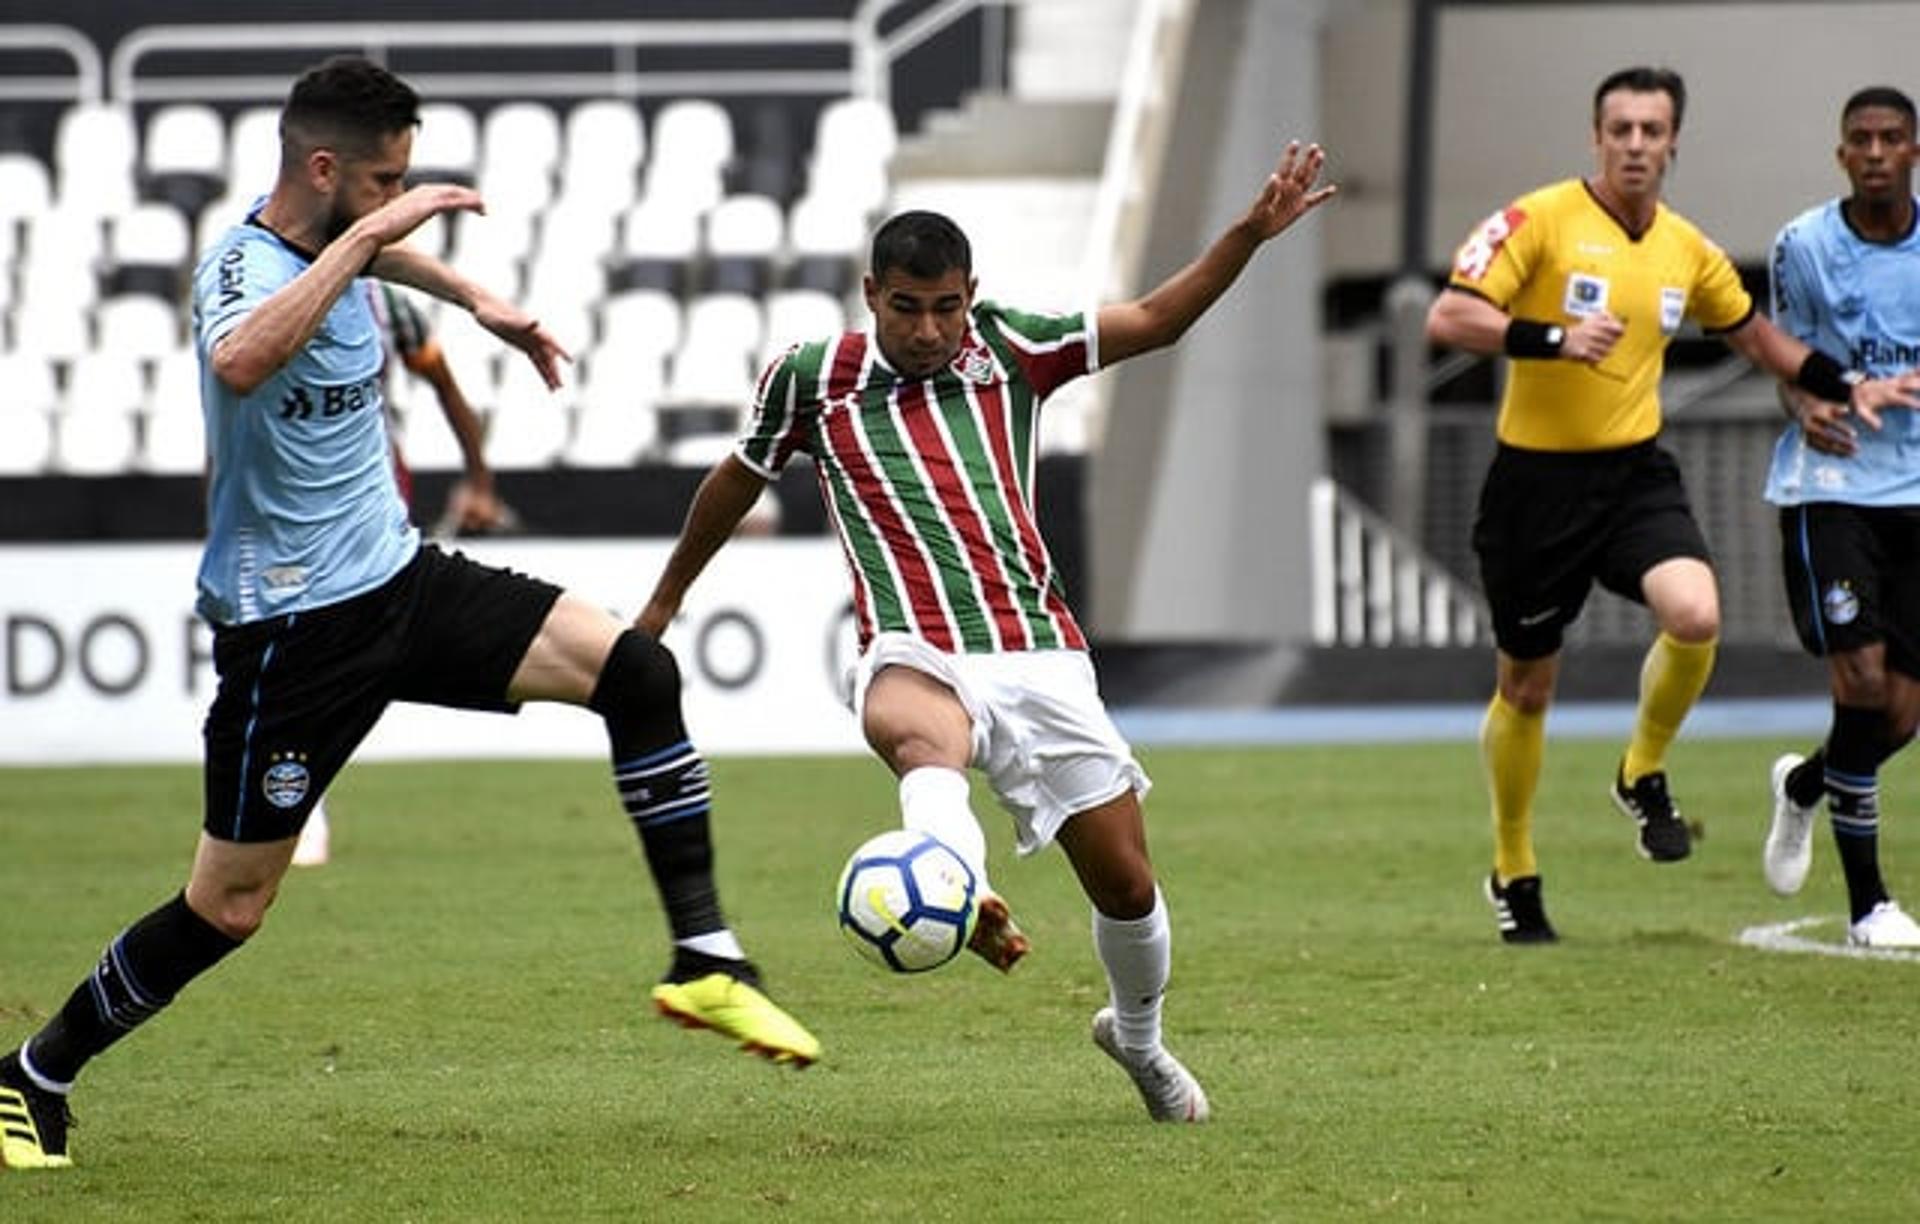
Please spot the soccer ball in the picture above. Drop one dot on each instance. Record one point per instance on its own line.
(906, 901)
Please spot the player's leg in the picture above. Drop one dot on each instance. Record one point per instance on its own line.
(583, 656)
(1513, 739)
(296, 695)
(917, 724)
(1685, 602)
(1107, 846)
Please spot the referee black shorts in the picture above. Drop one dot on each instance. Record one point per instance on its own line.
(1853, 578)
(1551, 524)
(298, 692)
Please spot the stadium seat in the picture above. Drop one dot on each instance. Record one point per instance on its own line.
(183, 161)
(96, 426)
(253, 153)
(52, 331)
(692, 149)
(826, 236)
(658, 243)
(616, 421)
(446, 146)
(854, 143)
(529, 424)
(800, 316)
(148, 251)
(26, 414)
(174, 440)
(26, 189)
(95, 156)
(605, 144)
(137, 325)
(519, 157)
(646, 321)
(745, 236)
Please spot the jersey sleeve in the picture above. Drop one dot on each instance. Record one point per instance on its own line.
(1051, 350)
(1499, 256)
(783, 413)
(1790, 277)
(233, 278)
(1719, 301)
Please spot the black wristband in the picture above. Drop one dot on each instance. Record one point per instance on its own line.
(1821, 375)
(1532, 338)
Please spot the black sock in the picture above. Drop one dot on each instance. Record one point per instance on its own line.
(662, 780)
(1855, 748)
(139, 973)
(1807, 781)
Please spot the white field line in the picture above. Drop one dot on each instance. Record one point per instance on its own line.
(1782, 937)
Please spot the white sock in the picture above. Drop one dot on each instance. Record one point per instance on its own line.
(933, 800)
(1138, 955)
(721, 943)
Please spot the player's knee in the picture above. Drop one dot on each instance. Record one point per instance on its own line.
(1695, 624)
(236, 913)
(1126, 897)
(639, 675)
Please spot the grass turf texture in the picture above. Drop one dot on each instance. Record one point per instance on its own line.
(449, 1022)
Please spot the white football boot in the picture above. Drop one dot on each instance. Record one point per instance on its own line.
(1789, 848)
(1885, 926)
(1169, 1089)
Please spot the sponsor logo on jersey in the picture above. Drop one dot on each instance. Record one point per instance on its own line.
(232, 276)
(1477, 253)
(302, 403)
(1839, 603)
(283, 578)
(1673, 309)
(286, 781)
(1875, 351)
(1586, 295)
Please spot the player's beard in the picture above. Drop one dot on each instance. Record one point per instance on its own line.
(337, 221)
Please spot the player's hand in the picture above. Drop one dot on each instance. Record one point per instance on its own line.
(474, 507)
(523, 331)
(1875, 395)
(1824, 425)
(1592, 338)
(1292, 191)
(406, 212)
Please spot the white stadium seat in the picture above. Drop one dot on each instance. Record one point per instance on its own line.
(137, 325)
(446, 145)
(95, 154)
(96, 427)
(26, 413)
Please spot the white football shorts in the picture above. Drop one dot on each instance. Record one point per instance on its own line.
(1041, 734)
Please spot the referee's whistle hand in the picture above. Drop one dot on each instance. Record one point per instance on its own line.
(1592, 338)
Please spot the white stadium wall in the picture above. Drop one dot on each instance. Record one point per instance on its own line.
(1515, 91)
(102, 659)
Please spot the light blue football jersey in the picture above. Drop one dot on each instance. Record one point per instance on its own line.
(302, 508)
(1859, 302)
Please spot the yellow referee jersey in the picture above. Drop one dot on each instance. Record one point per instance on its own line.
(1556, 255)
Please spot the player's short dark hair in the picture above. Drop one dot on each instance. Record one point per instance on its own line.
(1642, 79)
(1878, 95)
(924, 245)
(348, 103)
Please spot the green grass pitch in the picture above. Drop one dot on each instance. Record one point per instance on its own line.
(449, 1021)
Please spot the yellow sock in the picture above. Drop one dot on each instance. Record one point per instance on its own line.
(1671, 680)
(1512, 743)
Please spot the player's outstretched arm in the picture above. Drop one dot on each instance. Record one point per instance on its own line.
(406, 266)
(1791, 361)
(723, 499)
(281, 326)
(1166, 312)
